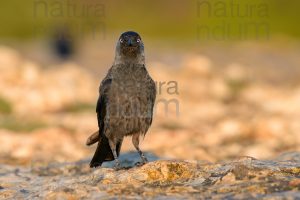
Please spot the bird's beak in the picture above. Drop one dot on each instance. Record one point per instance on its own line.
(129, 42)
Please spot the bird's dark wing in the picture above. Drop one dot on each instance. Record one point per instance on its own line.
(101, 110)
(103, 151)
(102, 101)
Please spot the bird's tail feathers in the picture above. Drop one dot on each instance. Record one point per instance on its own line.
(103, 152)
(93, 138)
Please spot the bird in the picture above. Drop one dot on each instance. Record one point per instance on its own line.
(63, 42)
(126, 102)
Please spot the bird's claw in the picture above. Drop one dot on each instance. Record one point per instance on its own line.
(117, 167)
(144, 159)
(139, 164)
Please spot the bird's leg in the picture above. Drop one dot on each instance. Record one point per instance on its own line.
(112, 145)
(136, 141)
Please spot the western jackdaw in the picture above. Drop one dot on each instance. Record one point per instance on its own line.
(125, 103)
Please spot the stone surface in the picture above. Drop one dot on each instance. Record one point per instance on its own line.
(246, 177)
(227, 108)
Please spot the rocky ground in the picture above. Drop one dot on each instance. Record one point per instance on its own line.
(221, 110)
(244, 178)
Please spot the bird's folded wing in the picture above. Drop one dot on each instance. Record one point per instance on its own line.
(100, 109)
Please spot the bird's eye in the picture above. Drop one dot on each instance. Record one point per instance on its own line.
(121, 40)
(138, 40)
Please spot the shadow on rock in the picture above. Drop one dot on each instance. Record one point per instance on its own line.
(129, 159)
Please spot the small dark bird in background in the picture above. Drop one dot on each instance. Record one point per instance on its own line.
(125, 104)
(63, 42)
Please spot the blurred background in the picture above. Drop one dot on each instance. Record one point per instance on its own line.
(227, 75)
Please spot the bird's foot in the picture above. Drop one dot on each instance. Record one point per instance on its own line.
(117, 166)
(144, 161)
(139, 164)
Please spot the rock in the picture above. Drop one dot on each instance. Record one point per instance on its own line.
(219, 89)
(236, 72)
(40, 145)
(197, 65)
(44, 90)
(242, 178)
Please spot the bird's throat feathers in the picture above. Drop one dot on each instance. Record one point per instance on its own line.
(128, 55)
(121, 59)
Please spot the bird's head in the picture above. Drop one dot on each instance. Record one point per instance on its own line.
(130, 46)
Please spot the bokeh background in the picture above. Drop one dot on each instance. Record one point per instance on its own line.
(227, 74)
